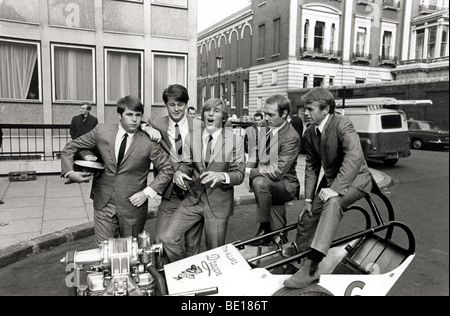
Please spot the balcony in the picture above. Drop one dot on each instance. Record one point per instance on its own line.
(321, 54)
(388, 61)
(391, 5)
(364, 2)
(430, 8)
(362, 58)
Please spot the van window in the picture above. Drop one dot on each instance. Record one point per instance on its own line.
(391, 121)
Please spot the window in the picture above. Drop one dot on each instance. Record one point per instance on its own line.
(391, 121)
(444, 41)
(432, 42)
(260, 79)
(305, 81)
(167, 69)
(73, 73)
(259, 103)
(333, 37)
(262, 41)
(274, 77)
(233, 95)
(203, 94)
(20, 70)
(319, 36)
(305, 35)
(360, 81)
(276, 37)
(172, 3)
(420, 42)
(318, 82)
(361, 41)
(246, 94)
(331, 82)
(124, 75)
(386, 45)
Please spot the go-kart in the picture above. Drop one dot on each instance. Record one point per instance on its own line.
(366, 262)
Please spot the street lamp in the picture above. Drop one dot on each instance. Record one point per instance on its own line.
(219, 61)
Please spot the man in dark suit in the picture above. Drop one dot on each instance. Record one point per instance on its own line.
(120, 193)
(213, 163)
(273, 176)
(332, 144)
(252, 132)
(171, 132)
(83, 123)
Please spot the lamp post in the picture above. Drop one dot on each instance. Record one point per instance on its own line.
(219, 61)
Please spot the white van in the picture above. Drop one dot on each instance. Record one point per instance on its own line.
(382, 128)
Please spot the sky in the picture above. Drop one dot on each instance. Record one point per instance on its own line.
(212, 11)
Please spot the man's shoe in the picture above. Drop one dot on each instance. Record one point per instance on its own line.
(262, 241)
(281, 239)
(302, 278)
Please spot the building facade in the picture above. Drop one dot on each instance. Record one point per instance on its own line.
(57, 54)
(277, 46)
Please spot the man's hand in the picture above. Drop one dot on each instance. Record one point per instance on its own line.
(152, 133)
(138, 199)
(80, 177)
(326, 194)
(307, 208)
(179, 179)
(214, 177)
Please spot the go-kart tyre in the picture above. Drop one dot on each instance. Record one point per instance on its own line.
(312, 290)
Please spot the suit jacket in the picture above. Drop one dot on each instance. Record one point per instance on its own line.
(251, 137)
(121, 182)
(78, 127)
(341, 156)
(161, 124)
(280, 165)
(228, 157)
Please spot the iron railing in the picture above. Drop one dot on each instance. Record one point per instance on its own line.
(33, 141)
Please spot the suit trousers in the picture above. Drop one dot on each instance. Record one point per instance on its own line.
(318, 232)
(109, 224)
(193, 236)
(271, 197)
(184, 219)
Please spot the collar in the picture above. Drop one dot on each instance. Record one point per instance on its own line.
(122, 132)
(277, 129)
(215, 135)
(324, 122)
(180, 123)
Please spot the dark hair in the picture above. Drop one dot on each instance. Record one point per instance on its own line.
(192, 108)
(321, 95)
(176, 92)
(88, 106)
(284, 104)
(131, 103)
(259, 114)
(212, 103)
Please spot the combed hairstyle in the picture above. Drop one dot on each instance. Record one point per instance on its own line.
(284, 104)
(258, 114)
(212, 103)
(131, 103)
(176, 92)
(321, 95)
(192, 108)
(88, 106)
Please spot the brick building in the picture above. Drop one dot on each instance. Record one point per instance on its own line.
(278, 46)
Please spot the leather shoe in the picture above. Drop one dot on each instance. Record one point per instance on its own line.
(302, 278)
(262, 241)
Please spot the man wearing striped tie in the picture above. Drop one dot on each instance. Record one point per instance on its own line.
(171, 131)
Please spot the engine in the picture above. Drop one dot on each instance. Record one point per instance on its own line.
(119, 267)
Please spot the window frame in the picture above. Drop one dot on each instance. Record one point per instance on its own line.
(185, 84)
(39, 65)
(94, 69)
(162, 3)
(129, 51)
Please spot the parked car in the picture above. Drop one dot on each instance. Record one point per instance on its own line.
(427, 134)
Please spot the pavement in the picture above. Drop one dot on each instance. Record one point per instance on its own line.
(44, 213)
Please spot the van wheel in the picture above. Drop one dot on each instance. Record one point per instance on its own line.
(417, 144)
(390, 162)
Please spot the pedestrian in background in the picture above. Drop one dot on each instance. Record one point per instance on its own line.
(83, 123)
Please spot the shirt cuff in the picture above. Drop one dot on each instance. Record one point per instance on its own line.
(227, 178)
(67, 174)
(150, 193)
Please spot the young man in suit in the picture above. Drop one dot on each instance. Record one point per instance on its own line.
(120, 193)
(273, 176)
(213, 163)
(171, 132)
(332, 144)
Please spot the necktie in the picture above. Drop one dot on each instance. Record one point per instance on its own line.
(208, 150)
(268, 139)
(319, 134)
(178, 140)
(123, 145)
